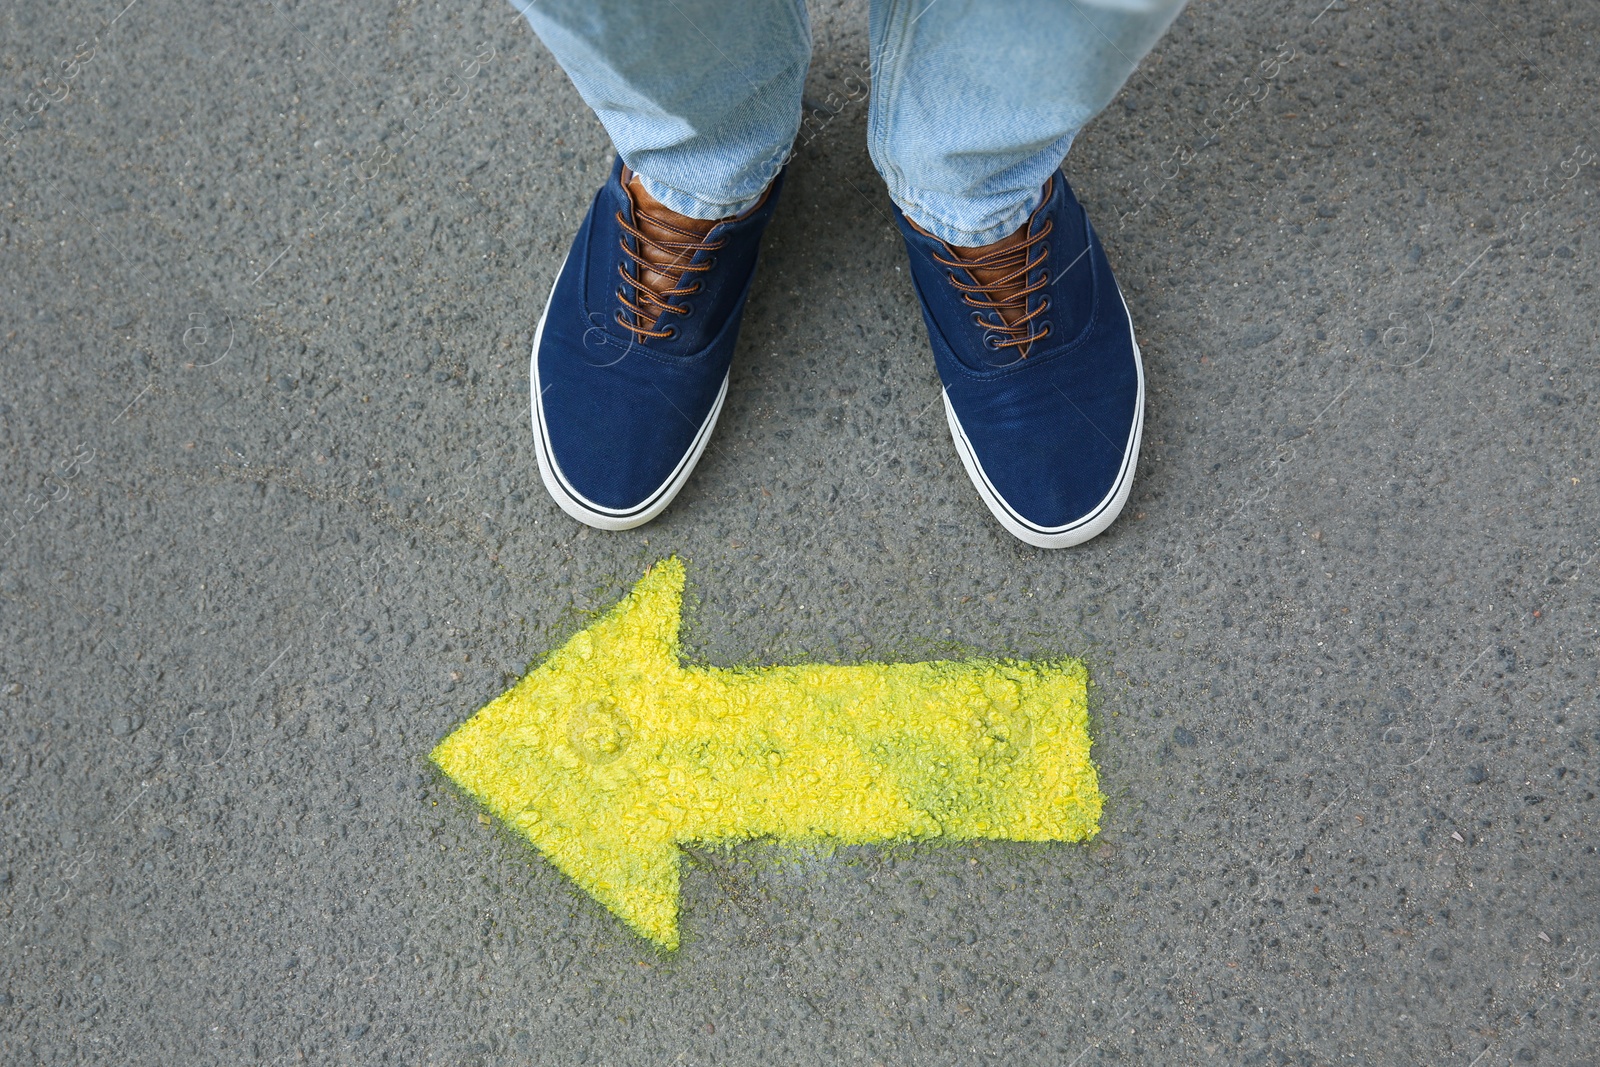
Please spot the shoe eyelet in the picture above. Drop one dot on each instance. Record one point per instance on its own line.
(991, 342)
(977, 319)
(671, 333)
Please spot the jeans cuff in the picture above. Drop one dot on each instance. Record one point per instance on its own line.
(929, 213)
(693, 206)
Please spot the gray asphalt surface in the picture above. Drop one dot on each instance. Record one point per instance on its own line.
(270, 274)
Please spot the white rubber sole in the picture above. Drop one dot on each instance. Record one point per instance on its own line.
(575, 503)
(1079, 530)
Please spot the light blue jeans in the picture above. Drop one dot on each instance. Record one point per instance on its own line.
(973, 104)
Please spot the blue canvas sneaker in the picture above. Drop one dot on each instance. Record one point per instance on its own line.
(1043, 385)
(630, 360)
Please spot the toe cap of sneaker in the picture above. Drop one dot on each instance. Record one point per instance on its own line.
(618, 434)
(1053, 455)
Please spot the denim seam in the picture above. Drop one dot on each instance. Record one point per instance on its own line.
(884, 89)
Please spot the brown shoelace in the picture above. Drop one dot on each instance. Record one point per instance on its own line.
(1002, 287)
(661, 254)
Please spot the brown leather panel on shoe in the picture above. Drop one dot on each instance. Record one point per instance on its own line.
(664, 244)
(1006, 274)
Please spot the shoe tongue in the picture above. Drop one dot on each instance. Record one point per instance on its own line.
(989, 275)
(1072, 303)
(664, 226)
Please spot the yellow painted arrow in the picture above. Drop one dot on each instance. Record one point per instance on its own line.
(611, 752)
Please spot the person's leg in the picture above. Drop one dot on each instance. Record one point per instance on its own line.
(975, 104)
(700, 97)
(631, 357)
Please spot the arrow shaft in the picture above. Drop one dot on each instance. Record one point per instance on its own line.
(866, 753)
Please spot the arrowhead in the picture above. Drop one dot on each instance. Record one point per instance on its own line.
(563, 756)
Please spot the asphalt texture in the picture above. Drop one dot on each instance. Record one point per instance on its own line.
(270, 275)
